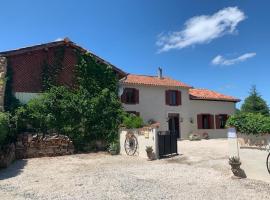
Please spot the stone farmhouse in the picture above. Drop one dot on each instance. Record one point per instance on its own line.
(177, 106)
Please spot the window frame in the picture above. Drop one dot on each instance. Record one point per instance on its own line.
(130, 96)
(220, 119)
(173, 97)
(201, 123)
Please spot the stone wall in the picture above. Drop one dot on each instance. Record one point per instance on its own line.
(254, 141)
(28, 146)
(144, 137)
(7, 155)
(3, 68)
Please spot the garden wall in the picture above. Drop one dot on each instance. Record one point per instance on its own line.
(7, 155)
(253, 141)
(29, 146)
(146, 136)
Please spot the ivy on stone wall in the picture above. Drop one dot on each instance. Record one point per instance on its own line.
(51, 71)
(10, 101)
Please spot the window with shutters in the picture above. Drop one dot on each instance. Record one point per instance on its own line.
(221, 121)
(173, 97)
(205, 121)
(130, 96)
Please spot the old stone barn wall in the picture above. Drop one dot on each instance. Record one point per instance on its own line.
(28, 146)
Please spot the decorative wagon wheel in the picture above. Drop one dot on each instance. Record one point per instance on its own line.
(267, 147)
(131, 144)
(268, 163)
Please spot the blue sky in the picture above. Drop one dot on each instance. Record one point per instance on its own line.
(219, 45)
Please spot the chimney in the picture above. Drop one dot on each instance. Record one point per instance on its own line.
(160, 73)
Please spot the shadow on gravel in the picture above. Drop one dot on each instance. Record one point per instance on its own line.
(13, 170)
(186, 160)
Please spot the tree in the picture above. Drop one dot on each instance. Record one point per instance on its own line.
(254, 103)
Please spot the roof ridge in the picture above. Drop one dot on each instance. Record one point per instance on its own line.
(153, 80)
(152, 76)
(65, 41)
(142, 75)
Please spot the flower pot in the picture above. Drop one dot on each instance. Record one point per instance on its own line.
(150, 155)
(235, 165)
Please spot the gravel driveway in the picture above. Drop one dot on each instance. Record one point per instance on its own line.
(192, 175)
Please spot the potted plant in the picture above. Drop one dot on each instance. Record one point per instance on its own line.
(149, 151)
(235, 163)
(113, 148)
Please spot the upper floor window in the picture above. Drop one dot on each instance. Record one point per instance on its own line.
(130, 96)
(205, 121)
(221, 121)
(173, 97)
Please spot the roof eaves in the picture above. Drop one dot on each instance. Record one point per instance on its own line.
(57, 43)
(213, 99)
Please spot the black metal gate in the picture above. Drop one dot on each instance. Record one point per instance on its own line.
(167, 143)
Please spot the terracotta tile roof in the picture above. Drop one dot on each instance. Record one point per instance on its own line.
(152, 81)
(205, 94)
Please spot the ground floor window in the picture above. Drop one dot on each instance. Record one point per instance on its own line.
(205, 121)
(221, 120)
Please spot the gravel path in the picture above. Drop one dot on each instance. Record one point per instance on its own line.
(101, 176)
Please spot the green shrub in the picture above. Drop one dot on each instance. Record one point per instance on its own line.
(4, 128)
(114, 148)
(132, 121)
(250, 123)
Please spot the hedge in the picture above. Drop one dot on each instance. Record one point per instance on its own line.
(4, 128)
(250, 123)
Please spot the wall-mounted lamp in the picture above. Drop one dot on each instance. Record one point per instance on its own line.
(191, 120)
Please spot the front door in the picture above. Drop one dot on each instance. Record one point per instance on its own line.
(174, 127)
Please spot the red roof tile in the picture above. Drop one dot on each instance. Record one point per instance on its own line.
(152, 81)
(205, 94)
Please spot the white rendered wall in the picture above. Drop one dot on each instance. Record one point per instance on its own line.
(145, 138)
(210, 107)
(24, 97)
(152, 106)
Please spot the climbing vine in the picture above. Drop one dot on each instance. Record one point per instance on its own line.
(51, 71)
(90, 111)
(10, 101)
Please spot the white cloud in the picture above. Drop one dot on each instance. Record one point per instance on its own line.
(220, 60)
(58, 39)
(202, 29)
